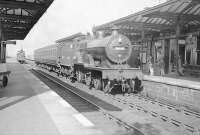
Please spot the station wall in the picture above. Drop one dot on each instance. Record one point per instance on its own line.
(173, 94)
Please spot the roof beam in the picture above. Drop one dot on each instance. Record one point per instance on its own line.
(140, 25)
(14, 24)
(14, 37)
(14, 30)
(14, 34)
(173, 16)
(20, 4)
(17, 17)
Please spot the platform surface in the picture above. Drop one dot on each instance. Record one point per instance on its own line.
(29, 107)
(189, 82)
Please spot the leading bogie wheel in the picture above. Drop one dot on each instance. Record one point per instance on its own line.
(5, 81)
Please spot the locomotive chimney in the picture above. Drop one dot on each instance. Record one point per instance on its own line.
(115, 30)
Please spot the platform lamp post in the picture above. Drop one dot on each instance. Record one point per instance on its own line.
(3, 68)
(3, 49)
(3, 44)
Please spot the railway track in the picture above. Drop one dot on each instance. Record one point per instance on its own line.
(142, 104)
(166, 114)
(82, 103)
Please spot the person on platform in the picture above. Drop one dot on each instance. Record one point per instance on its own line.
(138, 62)
(131, 83)
(123, 86)
(59, 69)
(138, 86)
(107, 85)
(162, 66)
(151, 71)
(180, 68)
(91, 85)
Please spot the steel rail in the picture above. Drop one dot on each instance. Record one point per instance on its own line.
(161, 116)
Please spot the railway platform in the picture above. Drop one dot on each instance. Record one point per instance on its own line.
(29, 107)
(152, 117)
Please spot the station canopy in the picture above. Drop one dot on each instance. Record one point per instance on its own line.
(17, 17)
(160, 18)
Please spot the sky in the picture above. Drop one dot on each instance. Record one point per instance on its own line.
(66, 17)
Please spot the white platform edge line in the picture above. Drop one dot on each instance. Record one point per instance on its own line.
(64, 103)
(45, 86)
(52, 93)
(83, 120)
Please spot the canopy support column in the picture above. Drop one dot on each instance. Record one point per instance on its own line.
(142, 40)
(178, 31)
(2, 47)
(0, 43)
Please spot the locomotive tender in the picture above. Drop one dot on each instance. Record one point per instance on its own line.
(93, 61)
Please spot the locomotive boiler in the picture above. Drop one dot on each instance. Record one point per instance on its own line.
(113, 50)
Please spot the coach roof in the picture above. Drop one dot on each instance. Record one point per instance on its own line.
(70, 38)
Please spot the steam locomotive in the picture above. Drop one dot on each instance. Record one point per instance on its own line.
(97, 62)
(21, 56)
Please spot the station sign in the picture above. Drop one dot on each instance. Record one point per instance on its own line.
(10, 42)
(181, 41)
